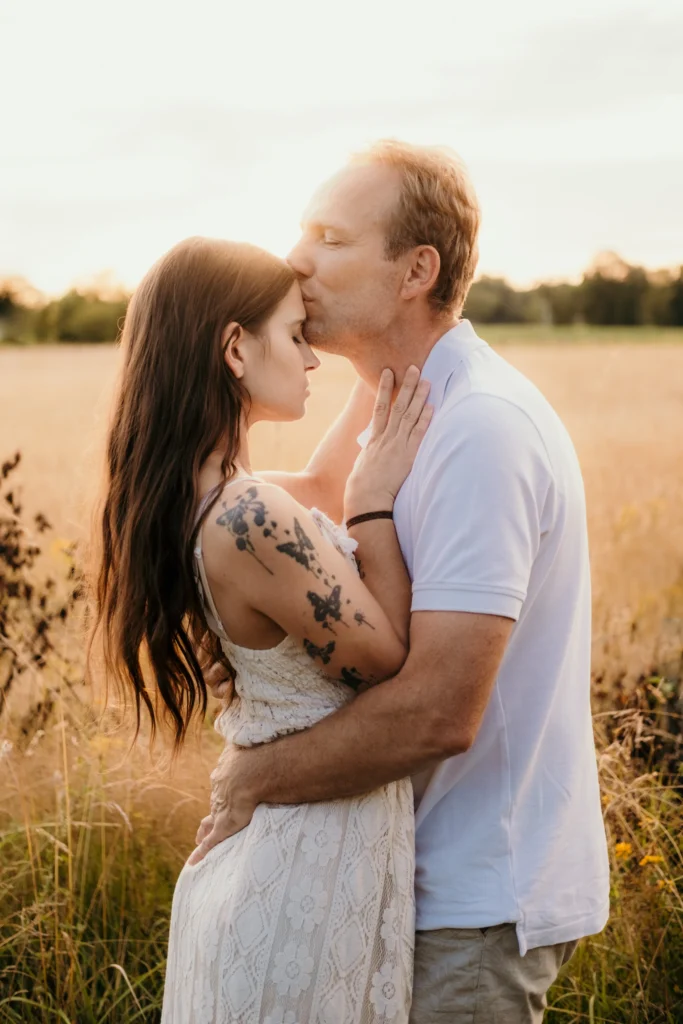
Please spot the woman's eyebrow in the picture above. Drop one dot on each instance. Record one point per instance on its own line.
(297, 323)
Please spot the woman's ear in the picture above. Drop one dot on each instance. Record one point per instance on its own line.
(232, 343)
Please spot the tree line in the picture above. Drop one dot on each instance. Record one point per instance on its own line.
(610, 293)
(77, 316)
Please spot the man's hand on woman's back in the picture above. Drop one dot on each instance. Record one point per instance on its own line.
(218, 681)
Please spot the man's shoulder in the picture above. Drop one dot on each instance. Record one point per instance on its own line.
(486, 393)
(484, 415)
(484, 434)
(509, 430)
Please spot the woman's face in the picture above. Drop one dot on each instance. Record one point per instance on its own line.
(274, 365)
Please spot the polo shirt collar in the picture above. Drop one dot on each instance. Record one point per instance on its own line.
(445, 357)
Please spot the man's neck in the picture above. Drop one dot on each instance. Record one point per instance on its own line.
(401, 346)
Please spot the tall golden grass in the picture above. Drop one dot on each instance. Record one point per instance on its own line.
(92, 835)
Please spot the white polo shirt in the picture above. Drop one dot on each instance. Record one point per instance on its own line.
(492, 519)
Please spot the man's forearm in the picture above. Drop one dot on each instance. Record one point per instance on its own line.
(430, 711)
(381, 736)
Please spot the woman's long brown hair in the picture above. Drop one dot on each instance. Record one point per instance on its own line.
(177, 403)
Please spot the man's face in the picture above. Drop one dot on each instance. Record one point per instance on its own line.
(350, 289)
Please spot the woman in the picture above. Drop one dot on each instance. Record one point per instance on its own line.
(306, 914)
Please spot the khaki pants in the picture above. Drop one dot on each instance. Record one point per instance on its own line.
(476, 976)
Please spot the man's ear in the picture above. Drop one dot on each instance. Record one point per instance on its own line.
(421, 273)
(232, 343)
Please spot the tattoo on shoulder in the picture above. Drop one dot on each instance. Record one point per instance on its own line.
(249, 513)
(324, 653)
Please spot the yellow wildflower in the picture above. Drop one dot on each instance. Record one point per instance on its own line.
(623, 850)
(666, 883)
(650, 859)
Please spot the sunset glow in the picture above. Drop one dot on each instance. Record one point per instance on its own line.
(135, 125)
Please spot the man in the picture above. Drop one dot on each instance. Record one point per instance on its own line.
(491, 712)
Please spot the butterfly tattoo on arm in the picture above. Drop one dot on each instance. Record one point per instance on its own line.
(353, 678)
(326, 608)
(324, 653)
(236, 522)
(303, 551)
(250, 513)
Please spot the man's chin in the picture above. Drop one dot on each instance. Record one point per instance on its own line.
(322, 340)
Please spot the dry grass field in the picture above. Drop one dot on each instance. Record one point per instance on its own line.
(91, 839)
(623, 405)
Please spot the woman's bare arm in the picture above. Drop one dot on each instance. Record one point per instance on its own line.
(263, 549)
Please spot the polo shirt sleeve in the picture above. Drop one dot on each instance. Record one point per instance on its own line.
(478, 517)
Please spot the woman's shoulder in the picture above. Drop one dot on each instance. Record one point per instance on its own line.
(259, 518)
(254, 503)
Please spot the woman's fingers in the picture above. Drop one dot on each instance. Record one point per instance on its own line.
(380, 413)
(403, 399)
(414, 410)
(406, 412)
(217, 680)
(420, 429)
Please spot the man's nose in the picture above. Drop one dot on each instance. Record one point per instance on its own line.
(299, 260)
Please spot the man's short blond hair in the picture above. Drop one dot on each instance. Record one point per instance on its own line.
(438, 206)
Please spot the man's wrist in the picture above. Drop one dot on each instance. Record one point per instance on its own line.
(253, 779)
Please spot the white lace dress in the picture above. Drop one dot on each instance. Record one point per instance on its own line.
(307, 915)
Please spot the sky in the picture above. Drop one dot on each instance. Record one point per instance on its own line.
(127, 126)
